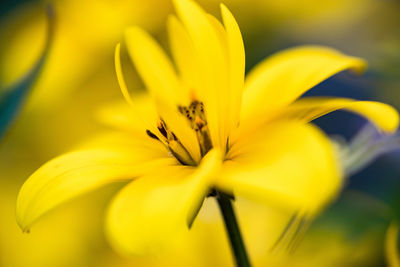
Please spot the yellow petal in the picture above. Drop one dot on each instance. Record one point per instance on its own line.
(135, 118)
(153, 211)
(120, 75)
(213, 67)
(154, 66)
(222, 93)
(236, 65)
(391, 247)
(285, 76)
(290, 163)
(160, 78)
(145, 114)
(126, 141)
(184, 53)
(307, 109)
(75, 173)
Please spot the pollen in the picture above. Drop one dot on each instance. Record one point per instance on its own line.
(196, 116)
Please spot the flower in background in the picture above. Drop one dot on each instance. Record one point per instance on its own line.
(12, 98)
(207, 131)
(391, 249)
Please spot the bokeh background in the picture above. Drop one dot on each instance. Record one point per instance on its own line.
(78, 79)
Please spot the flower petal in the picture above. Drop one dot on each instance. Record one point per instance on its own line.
(213, 66)
(184, 54)
(283, 77)
(287, 162)
(155, 210)
(137, 119)
(307, 109)
(160, 78)
(79, 172)
(154, 66)
(236, 65)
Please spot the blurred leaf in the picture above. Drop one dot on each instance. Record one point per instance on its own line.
(13, 98)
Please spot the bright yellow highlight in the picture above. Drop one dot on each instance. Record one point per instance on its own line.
(203, 126)
(391, 247)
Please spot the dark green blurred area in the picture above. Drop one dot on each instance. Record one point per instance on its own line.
(8, 5)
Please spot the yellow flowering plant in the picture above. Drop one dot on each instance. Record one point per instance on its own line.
(204, 130)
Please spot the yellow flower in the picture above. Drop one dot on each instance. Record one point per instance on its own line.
(210, 129)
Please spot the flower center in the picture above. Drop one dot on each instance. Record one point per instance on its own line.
(196, 117)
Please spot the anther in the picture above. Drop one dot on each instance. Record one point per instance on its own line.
(162, 128)
(199, 122)
(149, 133)
(197, 119)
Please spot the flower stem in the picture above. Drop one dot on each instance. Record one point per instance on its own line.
(232, 227)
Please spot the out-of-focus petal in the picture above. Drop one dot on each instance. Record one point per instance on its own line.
(385, 117)
(79, 172)
(283, 77)
(185, 56)
(120, 115)
(289, 163)
(154, 66)
(151, 212)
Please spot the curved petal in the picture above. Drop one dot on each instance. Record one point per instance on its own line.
(290, 163)
(154, 66)
(306, 109)
(145, 113)
(121, 115)
(213, 66)
(159, 75)
(184, 53)
(79, 172)
(236, 65)
(285, 76)
(155, 210)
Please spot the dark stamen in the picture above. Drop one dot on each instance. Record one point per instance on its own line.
(163, 131)
(149, 133)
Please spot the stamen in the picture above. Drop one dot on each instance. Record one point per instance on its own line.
(180, 153)
(149, 133)
(197, 119)
(172, 143)
(162, 128)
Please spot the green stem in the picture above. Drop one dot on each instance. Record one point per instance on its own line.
(232, 227)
